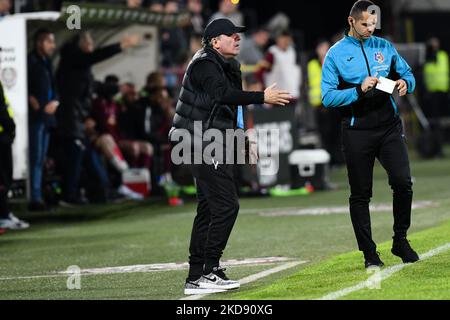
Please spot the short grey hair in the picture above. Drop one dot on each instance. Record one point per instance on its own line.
(207, 42)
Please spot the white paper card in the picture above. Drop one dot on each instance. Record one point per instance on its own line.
(386, 85)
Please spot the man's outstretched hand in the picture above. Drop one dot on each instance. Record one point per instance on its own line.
(276, 96)
(129, 41)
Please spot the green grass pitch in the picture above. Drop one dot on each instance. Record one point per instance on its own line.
(150, 232)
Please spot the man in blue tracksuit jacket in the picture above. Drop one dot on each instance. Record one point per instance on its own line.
(371, 125)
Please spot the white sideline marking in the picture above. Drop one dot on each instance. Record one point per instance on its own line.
(154, 268)
(315, 211)
(254, 277)
(32, 277)
(384, 274)
(177, 266)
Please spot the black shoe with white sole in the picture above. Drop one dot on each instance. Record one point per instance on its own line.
(401, 248)
(372, 259)
(193, 288)
(218, 280)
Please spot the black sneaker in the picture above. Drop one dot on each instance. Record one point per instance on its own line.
(218, 280)
(401, 248)
(372, 259)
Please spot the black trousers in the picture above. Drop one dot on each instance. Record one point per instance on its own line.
(388, 145)
(217, 210)
(6, 172)
(329, 127)
(436, 107)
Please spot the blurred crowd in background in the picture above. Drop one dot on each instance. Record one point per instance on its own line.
(89, 131)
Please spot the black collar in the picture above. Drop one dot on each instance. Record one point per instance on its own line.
(230, 64)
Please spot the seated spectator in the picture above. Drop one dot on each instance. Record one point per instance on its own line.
(155, 113)
(104, 134)
(139, 153)
(104, 131)
(155, 80)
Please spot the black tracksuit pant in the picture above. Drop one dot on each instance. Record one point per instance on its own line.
(329, 125)
(217, 210)
(388, 145)
(6, 172)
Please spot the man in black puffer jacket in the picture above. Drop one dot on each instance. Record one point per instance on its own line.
(212, 95)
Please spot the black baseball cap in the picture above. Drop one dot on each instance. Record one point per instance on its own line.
(221, 26)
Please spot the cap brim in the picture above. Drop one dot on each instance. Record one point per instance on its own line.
(240, 29)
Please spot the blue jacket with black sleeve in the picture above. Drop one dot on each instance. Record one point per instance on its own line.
(346, 65)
